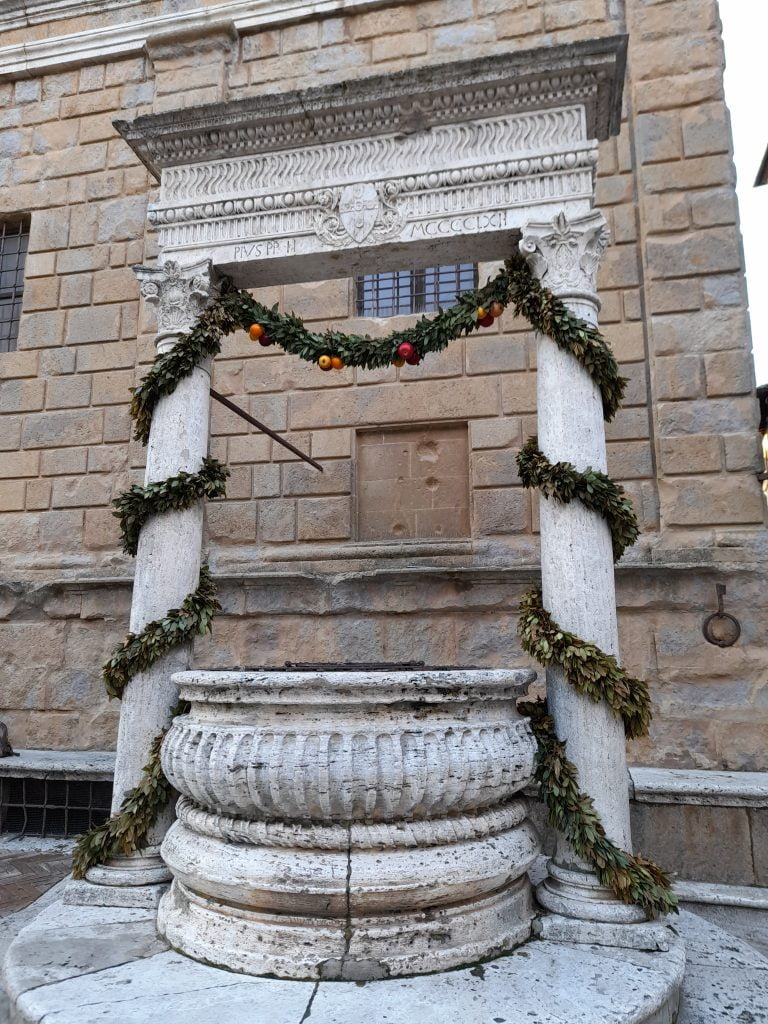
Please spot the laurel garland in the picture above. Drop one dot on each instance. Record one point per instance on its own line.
(549, 315)
(588, 669)
(591, 671)
(126, 832)
(515, 285)
(632, 877)
(594, 489)
(179, 626)
(137, 504)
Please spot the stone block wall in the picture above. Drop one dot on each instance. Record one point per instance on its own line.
(308, 572)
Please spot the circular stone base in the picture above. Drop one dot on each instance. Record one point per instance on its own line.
(352, 949)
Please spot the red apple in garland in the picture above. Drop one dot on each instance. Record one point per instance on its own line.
(406, 351)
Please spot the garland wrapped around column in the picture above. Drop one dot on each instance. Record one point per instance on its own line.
(632, 878)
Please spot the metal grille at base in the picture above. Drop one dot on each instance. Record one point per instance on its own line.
(52, 807)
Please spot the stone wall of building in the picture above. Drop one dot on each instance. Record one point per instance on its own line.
(308, 572)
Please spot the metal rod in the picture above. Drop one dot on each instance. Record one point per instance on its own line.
(264, 429)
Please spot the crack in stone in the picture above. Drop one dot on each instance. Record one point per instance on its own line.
(348, 930)
(308, 1010)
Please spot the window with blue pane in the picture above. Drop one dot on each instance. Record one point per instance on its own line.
(14, 241)
(398, 292)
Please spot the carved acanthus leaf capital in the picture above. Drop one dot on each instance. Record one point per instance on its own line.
(179, 293)
(565, 254)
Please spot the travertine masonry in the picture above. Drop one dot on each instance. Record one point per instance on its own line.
(673, 307)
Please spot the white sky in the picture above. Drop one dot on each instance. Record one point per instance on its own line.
(745, 31)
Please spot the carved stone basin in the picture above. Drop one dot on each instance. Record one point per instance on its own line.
(349, 824)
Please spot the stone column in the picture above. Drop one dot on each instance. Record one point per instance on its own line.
(577, 562)
(168, 556)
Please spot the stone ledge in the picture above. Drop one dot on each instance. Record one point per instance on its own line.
(327, 563)
(647, 785)
(93, 765)
(703, 787)
(745, 897)
(21, 60)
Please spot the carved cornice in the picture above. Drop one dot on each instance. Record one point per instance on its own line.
(456, 146)
(589, 73)
(565, 254)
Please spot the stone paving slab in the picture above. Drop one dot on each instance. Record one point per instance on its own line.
(541, 983)
(61, 970)
(14, 913)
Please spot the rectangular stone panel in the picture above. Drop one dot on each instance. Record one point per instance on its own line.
(413, 483)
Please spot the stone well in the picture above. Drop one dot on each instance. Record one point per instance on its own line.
(349, 825)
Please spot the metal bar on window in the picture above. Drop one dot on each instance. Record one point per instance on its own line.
(14, 241)
(394, 293)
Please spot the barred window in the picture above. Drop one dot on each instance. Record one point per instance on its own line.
(393, 293)
(52, 807)
(14, 241)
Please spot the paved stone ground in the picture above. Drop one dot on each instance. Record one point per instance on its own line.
(25, 877)
(726, 981)
(31, 873)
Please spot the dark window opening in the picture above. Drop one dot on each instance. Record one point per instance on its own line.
(52, 807)
(14, 241)
(398, 292)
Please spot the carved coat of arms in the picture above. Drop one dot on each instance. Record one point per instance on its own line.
(358, 209)
(358, 213)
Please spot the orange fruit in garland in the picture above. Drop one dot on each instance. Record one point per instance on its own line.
(496, 309)
(481, 313)
(256, 332)
(337, 362)
(398, 361)
(324, 362)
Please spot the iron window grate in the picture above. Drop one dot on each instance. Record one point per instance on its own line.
(14, 241)
(52, 807)
(398, 292)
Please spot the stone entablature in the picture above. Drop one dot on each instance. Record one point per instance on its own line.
(307, 184)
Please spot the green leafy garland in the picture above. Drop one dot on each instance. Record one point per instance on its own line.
(179, 626)
(594, 489)
(632, 877)
(137, 504)
(515, 285)
(126, 832)
(594, 673)
(549, 315)
(588, 669)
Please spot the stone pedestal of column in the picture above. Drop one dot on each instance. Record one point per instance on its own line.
(349, 825)
(167, 569)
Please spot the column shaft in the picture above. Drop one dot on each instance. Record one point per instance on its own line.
(577, 562)
(167, 559)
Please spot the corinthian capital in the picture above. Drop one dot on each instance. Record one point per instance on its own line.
(180, 294)
(565, 254)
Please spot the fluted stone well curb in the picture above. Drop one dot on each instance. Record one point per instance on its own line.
(349, 825)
